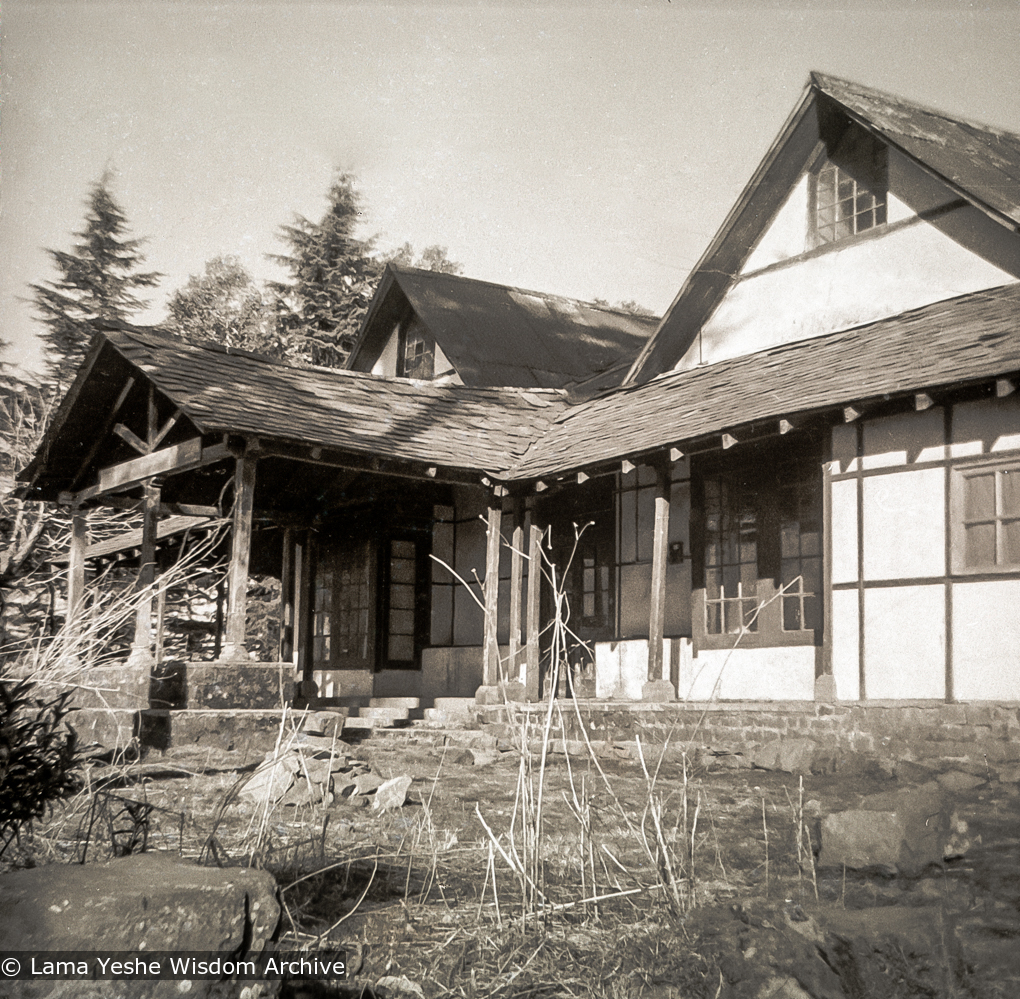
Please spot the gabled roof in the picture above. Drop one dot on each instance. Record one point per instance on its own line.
(222, 390)
(981, 164)
(493, 334)
(971, 338)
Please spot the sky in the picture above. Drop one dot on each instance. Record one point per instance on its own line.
(582, 149)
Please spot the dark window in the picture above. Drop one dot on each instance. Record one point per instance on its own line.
(731, 557)
(800, 543)
(986, 517)
(844, 206)
(418, 358)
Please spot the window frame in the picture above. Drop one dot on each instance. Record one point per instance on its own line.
(959, 473)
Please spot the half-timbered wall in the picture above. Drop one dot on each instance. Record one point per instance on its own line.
(925, 553)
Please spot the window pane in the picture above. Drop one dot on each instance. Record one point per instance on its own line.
(401, 570)
(712, 553)
(790, 539)
(442, 548)
(401, 622)
(712, 581)
(401, 648)
(812, 613)
(812, 570)
(402, 549)
(1011, 542)
(645, 475)
(791, 613)
(980, 544)
(442, 615)
(713, 619)
(646, 524)
(810, 541)
(628, 545)
(1009, 492)
(402, 596)
(979, 491)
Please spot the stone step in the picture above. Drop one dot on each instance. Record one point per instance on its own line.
(395, 702)
(385, 715)
(454, 704)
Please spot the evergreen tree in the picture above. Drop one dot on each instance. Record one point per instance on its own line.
(98, 280)
(224, 304)
(432, 258)
(333, 278)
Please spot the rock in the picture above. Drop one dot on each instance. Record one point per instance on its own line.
(1009, 773)
(729, 761)
(271, 781)
(483, 757)
(901, 830)
(462, 757)
(788, 755)
(958, 781)
(366, 783)
(781, 988)
(914, 773)
(391, 794)
(317, 771)
(143, 903)
(303, 793)
(394, 987)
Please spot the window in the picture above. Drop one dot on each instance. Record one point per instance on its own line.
(986, 516)
(757, 539)
(844, 206)
(322, 613)
(419, 354)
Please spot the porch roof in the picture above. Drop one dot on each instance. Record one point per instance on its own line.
(973, 337)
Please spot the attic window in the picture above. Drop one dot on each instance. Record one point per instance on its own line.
(845, 206)
(419, 356)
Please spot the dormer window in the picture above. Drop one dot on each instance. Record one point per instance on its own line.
(418, 358)
(849, 189)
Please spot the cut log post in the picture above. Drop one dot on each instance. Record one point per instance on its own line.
(286, 651)
(534, 619)
(657, 688)
(76, 572)
(240, 552)
(489, 692)
(141, 647)
(514, 687)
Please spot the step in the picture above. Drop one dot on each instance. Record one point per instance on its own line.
(386, 715)
(395, 702)
(441, 716)
(455, 704)
(356, 723)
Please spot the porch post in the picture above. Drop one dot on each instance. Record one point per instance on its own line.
(76, 572)
(141, 647)
(489, 692)
(286, 650)
(515, 687)
(240, 552)
(658, 688)
(530, 676)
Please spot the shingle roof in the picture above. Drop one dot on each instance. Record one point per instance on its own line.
(973, 337)
(497, 335)
(456, 426)
(981, 160)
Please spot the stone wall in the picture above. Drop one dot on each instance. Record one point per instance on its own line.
(976, 734)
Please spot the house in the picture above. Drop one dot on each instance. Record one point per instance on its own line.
(805, 483)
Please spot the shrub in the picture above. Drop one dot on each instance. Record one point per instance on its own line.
(38, 756)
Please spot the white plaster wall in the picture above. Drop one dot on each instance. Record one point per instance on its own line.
(844, 448)
(845, 286)
(776, 674)
(905, 642)
(986, 426)
(844, 531)
(344, 682)
(986, 640)
(904, 525)
(904, 439)
(386, 364)
(621, 668)
(845, 645)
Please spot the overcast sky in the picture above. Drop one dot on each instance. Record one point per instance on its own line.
(581, 149)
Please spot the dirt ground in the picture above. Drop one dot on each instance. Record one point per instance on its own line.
(721, 903)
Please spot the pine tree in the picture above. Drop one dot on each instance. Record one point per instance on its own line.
(333, 278)
(224, 304)
(98, 280)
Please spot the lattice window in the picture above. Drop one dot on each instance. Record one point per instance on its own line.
(731, 558)
(986, 507)
(845, 206)
(801, 552)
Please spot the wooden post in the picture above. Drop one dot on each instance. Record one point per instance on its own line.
(516, 586)
(240, 552)
(534, 624)
(302, 600)
(657, 688)
(286, 650)
(489, 692)
(141, 647)
(76, 571)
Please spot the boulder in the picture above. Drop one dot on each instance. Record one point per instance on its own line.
(271, 781)
(903, 830)
(144, 903)
(792, 756)
(391, 794)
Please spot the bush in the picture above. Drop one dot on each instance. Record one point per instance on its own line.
(38, 756)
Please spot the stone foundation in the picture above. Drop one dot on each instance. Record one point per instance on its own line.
(975, 734)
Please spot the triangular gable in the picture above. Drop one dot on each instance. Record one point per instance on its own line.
(492, 334)
(940, 170)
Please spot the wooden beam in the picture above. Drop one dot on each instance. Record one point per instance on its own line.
(490, 652)
(627, 466)
(540, 487)
(76, 571)
(516, 585)
(660, 557)
(131, 438)
(1004, 387)
(169, 461)
(675, 454)
(581, 478)
(728, 440)
(165, 429)
(532, 651)
(97, 443)
(141, 647)
(923, 401)
(785, 426)
(240, 554)
(302, 601)
(850, 414)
